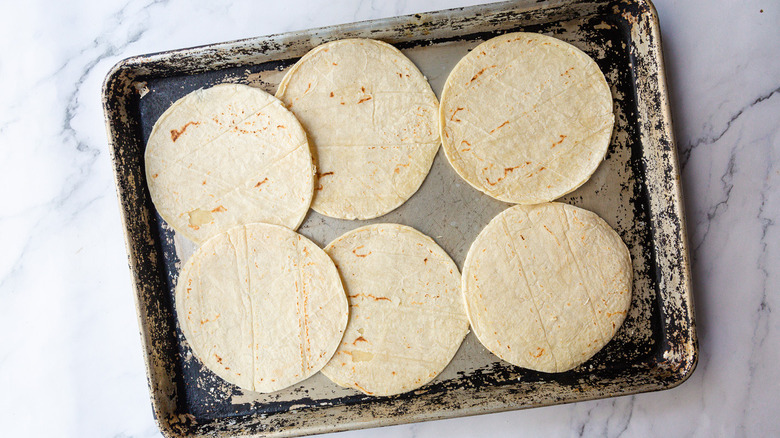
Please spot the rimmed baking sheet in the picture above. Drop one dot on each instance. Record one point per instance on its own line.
(636, 190)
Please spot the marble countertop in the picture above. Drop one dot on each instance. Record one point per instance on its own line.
(71, 359)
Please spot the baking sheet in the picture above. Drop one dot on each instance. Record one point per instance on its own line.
(636, 190)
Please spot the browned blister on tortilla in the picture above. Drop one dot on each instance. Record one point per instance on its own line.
(261, 306)
(407, 316)
(526, 118)
(372, 120)
(547, 285)
(228, 155)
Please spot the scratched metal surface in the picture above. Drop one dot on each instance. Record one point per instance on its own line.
(636, 190)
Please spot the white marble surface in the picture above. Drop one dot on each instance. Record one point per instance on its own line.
(70, 354)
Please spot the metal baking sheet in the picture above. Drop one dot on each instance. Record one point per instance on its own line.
(636, 190)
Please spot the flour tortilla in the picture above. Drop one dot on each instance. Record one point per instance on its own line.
(547, 286)
(407, 317)
(372, 120)
(261, 306)
(526, 118)
(228, 155)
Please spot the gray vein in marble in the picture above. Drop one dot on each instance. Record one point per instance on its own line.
(581, 429)
(627, 420)
(728, 176)
(69, 134)
(108, 52)
(685, 152)
(117, 17)
(727, 181)
(761, 327)
(57, 202)
(16, 267)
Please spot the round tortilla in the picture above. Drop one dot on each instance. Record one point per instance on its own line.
(526, 118)
(228, 155)
(547, 286)
(261, 306)
(407, 317)
(372, 120)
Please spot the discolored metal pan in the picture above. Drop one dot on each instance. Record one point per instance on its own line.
(636, 190)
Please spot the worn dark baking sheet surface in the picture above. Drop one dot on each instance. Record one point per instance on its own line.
(636, 190)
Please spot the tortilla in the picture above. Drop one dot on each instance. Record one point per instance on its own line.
(526, 118)
(261, 306)
(228, 155)
(407, 317)
(372, 121)
(547, 286)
